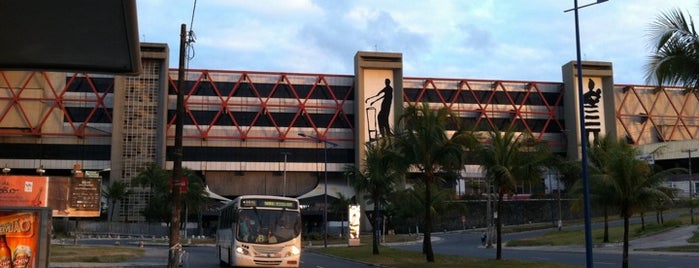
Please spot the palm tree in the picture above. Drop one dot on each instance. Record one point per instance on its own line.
(340, 207)
(158, 180)
(599, 197)
(597, 164)
(424, 143)
(114, 193)
(382, 169)
(151, 176)
(631, 183)
(675, 60)
(509, 159)
(411, 202)
(406, 206)
(195, 199)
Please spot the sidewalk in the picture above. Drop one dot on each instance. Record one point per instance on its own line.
(644, 245)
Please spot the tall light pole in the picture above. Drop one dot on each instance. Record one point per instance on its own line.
(325, 183)
(583, 136)
(691, 183)
(286, 154)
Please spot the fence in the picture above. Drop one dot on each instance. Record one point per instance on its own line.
(113, 229)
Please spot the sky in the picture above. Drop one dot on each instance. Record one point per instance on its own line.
(520, 40)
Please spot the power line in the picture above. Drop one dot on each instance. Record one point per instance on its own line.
(191, 36)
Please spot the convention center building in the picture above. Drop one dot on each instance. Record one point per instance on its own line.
(281, 133)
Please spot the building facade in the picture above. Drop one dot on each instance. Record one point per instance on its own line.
(281, 133)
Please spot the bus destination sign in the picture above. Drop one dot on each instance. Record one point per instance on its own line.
(268, 203)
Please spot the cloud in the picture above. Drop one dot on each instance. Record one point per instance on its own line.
(505, 40)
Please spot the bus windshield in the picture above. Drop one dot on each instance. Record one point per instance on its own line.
(268, 226)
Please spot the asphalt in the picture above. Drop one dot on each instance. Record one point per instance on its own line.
(157, 256)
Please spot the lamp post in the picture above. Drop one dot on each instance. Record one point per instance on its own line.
(691, 183)
(286, 154)
(583, 135)
(325, 183)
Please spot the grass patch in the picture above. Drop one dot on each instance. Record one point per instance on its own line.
(576, 237)
(398, 258)
(694, 238)
(101, 254)
(527, 227)
(653, 228)
(688, 248)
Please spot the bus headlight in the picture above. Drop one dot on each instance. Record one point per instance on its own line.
(241, 250)
(295, 250)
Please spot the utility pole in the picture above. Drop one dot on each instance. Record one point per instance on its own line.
(177, 156)
(691, 183)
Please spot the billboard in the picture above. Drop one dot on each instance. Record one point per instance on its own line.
(66, 196)
(74, 196)
(23, 191)
(24, 237)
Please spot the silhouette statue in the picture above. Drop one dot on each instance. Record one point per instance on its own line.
(386, 97)
(591, 101)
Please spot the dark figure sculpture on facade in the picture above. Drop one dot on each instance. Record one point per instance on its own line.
(591, 100)
(386, 97)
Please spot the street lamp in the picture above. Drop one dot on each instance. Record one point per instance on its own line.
(325, 183)
(583, 136)
(286, 154)
(691, 183)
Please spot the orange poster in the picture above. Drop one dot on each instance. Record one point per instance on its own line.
(23, 191)
(19, 238)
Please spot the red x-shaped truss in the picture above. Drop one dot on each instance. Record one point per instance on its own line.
(16, 119)
(651, 114)
(267, 107)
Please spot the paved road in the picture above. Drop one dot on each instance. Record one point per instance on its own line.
(468, 245)
(203, 256)
(457, 243)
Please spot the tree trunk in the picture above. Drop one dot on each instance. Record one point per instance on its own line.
(111, 212)
(375, 228)
(342, 225)
(498, 227)
(606, 225)
(625, 258)
(489, 218)
(427, 242)
(200, 222)
(662, 219)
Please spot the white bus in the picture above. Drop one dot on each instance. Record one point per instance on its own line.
(259, 231)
